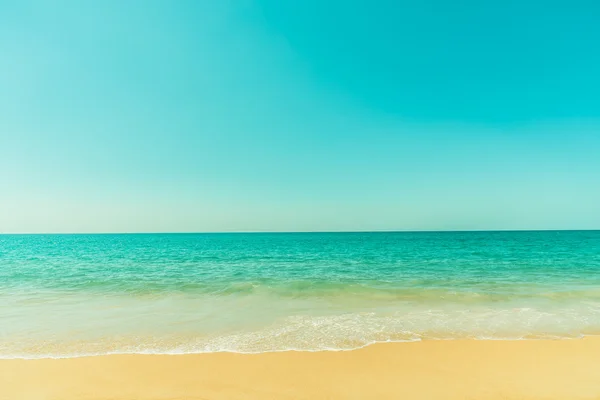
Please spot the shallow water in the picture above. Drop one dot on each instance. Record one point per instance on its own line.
(69, 295)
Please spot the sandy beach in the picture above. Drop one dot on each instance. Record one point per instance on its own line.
(458, 369)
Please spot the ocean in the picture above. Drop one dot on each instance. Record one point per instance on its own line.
(77, 295)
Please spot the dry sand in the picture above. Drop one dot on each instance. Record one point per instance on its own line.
(461, 369)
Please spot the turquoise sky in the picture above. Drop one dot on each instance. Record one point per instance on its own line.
(299, 115)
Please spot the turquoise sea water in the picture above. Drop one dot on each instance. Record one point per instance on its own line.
(71, 295)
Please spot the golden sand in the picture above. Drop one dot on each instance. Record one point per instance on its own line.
(461, 369)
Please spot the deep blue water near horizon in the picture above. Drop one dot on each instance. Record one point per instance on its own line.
(71, 295)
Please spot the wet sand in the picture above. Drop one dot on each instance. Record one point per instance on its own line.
(459, 369)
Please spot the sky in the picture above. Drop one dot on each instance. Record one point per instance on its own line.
(274, 115)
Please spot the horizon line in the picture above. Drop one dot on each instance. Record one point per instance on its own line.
(299, 232)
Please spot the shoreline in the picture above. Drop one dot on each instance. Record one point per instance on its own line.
(428, 369)
(290, 350)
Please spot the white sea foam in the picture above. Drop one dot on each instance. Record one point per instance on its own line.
(342, 332)
(291, 349)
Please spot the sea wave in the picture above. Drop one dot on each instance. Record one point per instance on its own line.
(314, 333)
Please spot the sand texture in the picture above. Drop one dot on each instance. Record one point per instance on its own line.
(458, 369)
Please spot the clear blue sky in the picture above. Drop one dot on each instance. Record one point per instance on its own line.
(299, 115)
